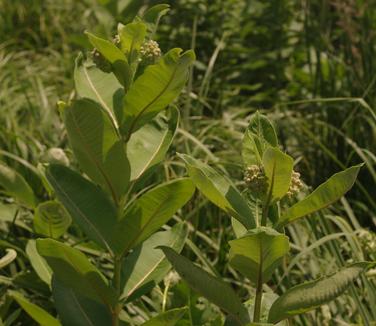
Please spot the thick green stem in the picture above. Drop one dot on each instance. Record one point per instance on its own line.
(258, 299)
(116, 284)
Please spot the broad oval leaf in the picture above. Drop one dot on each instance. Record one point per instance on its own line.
(103, 88)
(38, 263)
(148, 145)
(51, 219)
(219, 190)
(16, 186)
(324, 195)
(74, 270)
(146, 264)
(259, 250)
(77, 310)
(278, 169)
(87, 204)
(41, 316)
(308, 296)
(259, 135)
(99, 150)
(154, 90)
(151, 211)
(167, 318)
(212, 288)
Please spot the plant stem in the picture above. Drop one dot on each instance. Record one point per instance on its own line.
(116, 285)
(257, 310)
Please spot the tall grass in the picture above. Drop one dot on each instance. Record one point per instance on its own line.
(309, 65)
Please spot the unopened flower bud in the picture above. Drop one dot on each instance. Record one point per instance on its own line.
(150, 50)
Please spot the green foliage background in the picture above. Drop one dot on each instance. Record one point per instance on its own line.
(310, 65)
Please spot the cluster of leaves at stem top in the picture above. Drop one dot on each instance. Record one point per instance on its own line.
(259, 216)
(119, 126)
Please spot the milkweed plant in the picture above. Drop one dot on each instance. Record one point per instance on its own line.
(95, 238)
(260, 216)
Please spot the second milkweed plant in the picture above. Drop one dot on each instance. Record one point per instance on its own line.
(259, 218)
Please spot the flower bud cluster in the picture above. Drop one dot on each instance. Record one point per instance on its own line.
(368, 240)
(255, 178)
(116, 39)
(100, 61)
(150, 50)
(295, 185)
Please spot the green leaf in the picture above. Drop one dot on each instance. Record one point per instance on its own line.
(8, 258)
(97, 146)
(16, 186)
(260, 250)
(108, 49)
(38, 263)
(278, 169)
(308, 296)
(151, 211)
(168, 318)
(73, 269)
(41, 316)
(115, 56)
(131, 38)
(324, 195)
(87, 204)
(51, 219)
(154, 90)
(103, 88)
(259, 135)
(154, 14)
(146, 264)
(148, 145)
(84, 312)
(219, 190)
(212, 288)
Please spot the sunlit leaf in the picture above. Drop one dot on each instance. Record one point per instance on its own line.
(131, 38)
(324, 195)
(148, 145)
(259, 250)
(154, 90)
(146, 264)
(74, 270)
(38, 263)
(87, 204)
(151, 211)
(103, 88)
(41, 316)
(219, 190)
(97, 146)
(278, 169)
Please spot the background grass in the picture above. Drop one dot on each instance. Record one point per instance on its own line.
(309, 65)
